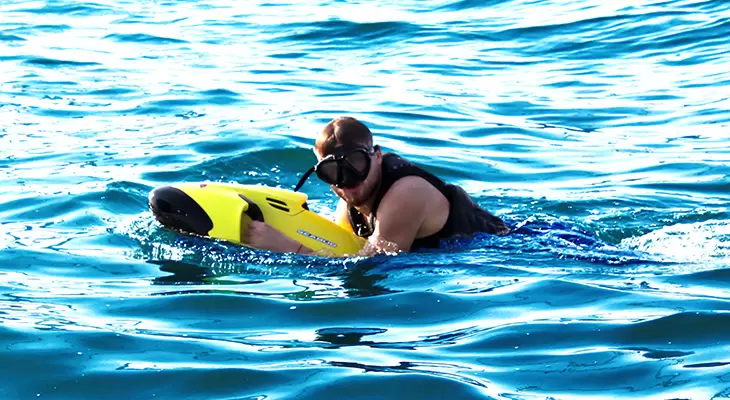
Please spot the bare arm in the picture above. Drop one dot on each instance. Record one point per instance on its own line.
(402, 214)
(263, 236)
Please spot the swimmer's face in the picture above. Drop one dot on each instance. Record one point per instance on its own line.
(359, 194)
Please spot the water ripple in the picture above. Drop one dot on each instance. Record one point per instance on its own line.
(143, 38)
(597, 130)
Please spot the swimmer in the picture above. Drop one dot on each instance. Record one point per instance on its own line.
(394, 204)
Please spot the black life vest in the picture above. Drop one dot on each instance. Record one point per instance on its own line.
(465, 217)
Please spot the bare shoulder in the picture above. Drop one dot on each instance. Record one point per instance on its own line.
(411, 208)
(409, 195)
(411, 189)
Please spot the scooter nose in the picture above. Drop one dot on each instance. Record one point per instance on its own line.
(175, 210)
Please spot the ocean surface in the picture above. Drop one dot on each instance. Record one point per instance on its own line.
(599, 129)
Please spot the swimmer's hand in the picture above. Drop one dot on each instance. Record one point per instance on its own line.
(265, 237)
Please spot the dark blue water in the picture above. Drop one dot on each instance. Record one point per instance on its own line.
(599, 128)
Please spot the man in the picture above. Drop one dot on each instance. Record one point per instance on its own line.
(393, 203)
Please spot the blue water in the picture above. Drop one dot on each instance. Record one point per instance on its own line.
(605, 121)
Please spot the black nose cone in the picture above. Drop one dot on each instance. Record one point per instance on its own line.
(175, 210)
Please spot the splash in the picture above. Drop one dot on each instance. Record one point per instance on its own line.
(157, 244)
(707, 241)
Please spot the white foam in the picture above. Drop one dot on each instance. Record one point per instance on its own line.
(696, 242)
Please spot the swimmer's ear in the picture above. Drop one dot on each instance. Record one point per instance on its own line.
(378, 154)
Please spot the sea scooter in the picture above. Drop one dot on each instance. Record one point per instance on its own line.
(224, 210)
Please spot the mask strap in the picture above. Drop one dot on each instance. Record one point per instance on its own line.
(303, 179)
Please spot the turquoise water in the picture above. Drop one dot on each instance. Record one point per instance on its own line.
(605, 117)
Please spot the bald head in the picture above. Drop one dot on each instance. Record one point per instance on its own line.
(343, 131)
